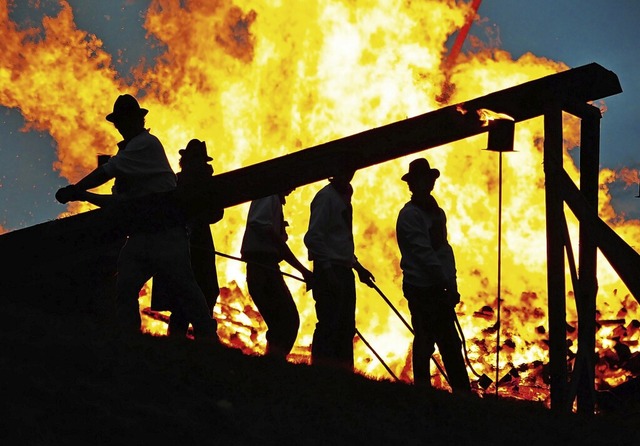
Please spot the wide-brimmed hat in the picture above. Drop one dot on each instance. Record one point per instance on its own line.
(195, 149)
(125, 105)
(420, 168)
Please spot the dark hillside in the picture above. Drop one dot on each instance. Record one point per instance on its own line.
(64, 381)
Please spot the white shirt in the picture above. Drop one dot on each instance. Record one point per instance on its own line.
(423, 264)
(143, 165)
(265, 216)
(329, 238)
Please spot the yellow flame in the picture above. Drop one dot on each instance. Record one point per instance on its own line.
(487, 115)
(258, 79)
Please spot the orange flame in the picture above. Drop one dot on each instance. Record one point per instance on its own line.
(486, 116)
(258, 79)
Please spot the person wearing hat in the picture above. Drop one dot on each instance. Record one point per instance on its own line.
(157, 240)
(329, 241)
(429, 278)
(264, 246)
(194, 172)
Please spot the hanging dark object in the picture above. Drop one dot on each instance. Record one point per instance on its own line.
(501, 133)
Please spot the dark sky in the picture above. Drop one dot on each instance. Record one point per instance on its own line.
(576, 32)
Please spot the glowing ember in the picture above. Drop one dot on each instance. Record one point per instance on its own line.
(258, 79)
(487, 116)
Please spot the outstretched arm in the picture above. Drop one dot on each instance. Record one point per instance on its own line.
(95, 178)
(292, 260)
(364, 274)
(73, 193)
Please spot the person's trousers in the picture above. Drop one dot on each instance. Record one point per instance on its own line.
(165, 253)
(433, 321)
(203, 263)
(276, 306)
(336, 314)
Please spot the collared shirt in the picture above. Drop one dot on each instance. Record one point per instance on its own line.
(265, 218)
(141, 165)
(329, 238)
(422, 263)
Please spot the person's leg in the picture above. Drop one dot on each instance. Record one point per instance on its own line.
(178, 325)
(276, 306)
(133, 272)
(423, 341)
(172, 258)
(346, 312)
(203, 263)
(450, 347)
(323, 347)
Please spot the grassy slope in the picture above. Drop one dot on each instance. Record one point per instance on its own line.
(63, 381)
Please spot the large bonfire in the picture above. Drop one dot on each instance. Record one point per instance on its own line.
(259, 79)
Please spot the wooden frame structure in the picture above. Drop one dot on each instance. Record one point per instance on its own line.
(53, 256)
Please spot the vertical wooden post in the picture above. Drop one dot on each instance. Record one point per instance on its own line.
(555, 259)
(586, 295)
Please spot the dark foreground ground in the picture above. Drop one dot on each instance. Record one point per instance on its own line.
(63, 381)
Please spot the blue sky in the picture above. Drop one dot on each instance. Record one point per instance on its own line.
(576, 32)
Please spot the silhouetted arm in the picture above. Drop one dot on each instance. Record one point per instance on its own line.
(97, 177)
(73, 193)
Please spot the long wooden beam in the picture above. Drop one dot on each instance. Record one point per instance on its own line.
(47, 246)
(622, 257)
(452, 123)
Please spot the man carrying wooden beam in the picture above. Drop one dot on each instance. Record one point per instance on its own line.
(329, 241)
(429, 279)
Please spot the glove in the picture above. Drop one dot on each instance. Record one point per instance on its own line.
(67, 194)
(364, 275)
(452, 294)
(453, 297)
(308, 278)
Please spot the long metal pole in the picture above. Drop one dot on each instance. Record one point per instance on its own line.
(499, 294)
(384, 364)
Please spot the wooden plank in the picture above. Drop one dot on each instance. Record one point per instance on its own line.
(426, 131)
(622, 257)
(588, 284)
(554, 208)
(96, 230)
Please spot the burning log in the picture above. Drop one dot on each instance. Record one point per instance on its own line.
(486, 312)
(619, 399)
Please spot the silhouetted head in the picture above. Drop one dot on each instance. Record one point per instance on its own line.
(344, 171)
(127, 116)
(196, 151)
(420, 172)
(126, 106)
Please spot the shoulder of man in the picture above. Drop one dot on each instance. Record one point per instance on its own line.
(322, 194)
(408, 207)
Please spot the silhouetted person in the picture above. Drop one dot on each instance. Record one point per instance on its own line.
(429, 279)
(157, 242)
(264, 246)
(194, 172)
(329, 241)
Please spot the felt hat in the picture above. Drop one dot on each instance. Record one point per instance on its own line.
(125, 105)
(195, 149)
(420, 168)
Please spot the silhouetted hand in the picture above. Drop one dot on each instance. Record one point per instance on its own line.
(67, 194)
(364, 275)
(308, 278)
(453, 297)
(451, 293)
